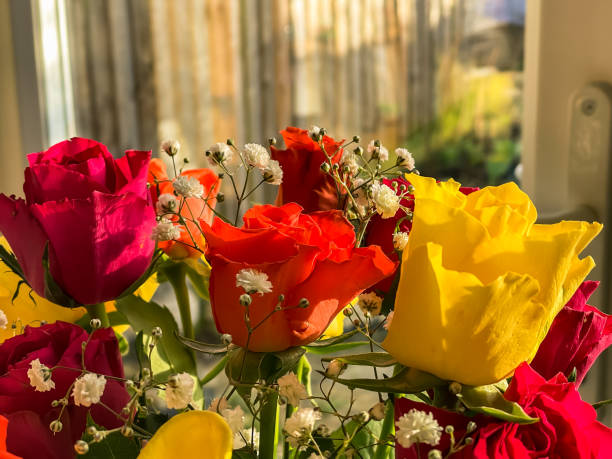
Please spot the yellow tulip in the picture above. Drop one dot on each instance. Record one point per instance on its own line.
(480, 282)
(191, 435)
(35, 310)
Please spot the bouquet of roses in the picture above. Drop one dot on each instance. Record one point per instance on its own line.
(370, 312)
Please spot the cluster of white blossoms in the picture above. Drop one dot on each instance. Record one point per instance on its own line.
(291, 389)
(253, 281)
(273, 173)
(243, 438)
(220, 154)
(165, 230)
(88, 389)
(256, 155)
(3, 320)
(179, 391)
(404, 158)
(40, 376)
(417, 427)
(235, 419)
(166, 204)
(314, 132)
(300, 425)
(350, 162)
(387, 323)
(170, 147)
(385, 199)
(400, 240)
(379, 152)
(188, 187)
(370, 303)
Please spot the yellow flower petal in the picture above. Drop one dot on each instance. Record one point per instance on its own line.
(191, 435)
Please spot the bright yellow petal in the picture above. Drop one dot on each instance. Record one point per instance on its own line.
(427, 187)
(191, 435)
(335, 328)
(460, 328)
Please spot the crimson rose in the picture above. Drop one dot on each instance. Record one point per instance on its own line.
(577, 336)
(308, 256)
(303, 180)
(93, 211)
(30, 412)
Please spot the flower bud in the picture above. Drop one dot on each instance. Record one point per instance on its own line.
(56, 426)
(157, 332)
(434, 454)
(358, 151)
(220, 197)
(304, 303)
(335, 368)
(325, 167)
(377, 412)
(91, 430)
(471, 427)
(449, 429)
(186, 160)
(95, 323)
(348, 312)
(127, 431)
(81, 447)
(170, 147)
(272, 141)
(356, 138)
(226, 339)
(455, 388)
(245, 299)
(362, 417)
(469, 441)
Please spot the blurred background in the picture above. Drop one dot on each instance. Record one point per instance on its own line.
(484, 91)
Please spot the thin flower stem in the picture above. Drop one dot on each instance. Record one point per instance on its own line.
(98, 311)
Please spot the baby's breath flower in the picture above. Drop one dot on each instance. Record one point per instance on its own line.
(40, 376)
(242, 439)
(417, 427)
(405, 158)
(386, 201)
(349, 161)
(256, 155)
(373, 151)
(170, 147)
(234, 417)
(273, 173)
(88, 389)
(400, 240)
(253, 281)
(3, 319)
(370, 303)
(387, 323)
(314, 132)
(220, 154)
(166, 204)
(179, 391)
(165, 231)
(290, 388)
(300, 425)
(189, 187)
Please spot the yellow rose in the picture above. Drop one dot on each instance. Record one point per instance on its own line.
(480, 282)
(193, 434)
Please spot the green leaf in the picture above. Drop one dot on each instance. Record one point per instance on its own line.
(169, 355)
(335, 347)
(382, 450)
(490, 400)
(124, 346)
(200, 346)
(10, 260)
(243, 453)
(141, 352)
(53, 292)
(406, 381)
(331, 341)
(199, 274)
(212, 374)
(372, 359)
(363, 439)
(114, 445)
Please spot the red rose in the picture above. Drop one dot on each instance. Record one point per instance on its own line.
(30, 412)
(380, 230)
(303, 180)
(308, 256)
(577, 336)
(95, 213)
(4, 454)
(192, 209)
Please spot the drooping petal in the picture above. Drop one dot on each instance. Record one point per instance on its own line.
(188, 434)
(131, 173)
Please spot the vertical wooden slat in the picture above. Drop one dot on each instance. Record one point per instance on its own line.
(283, 67)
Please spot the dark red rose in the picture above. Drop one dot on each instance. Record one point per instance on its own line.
(380, 230)
(577, 336)
(303, 180)
(93, 211)
(308, 256)
(30, 412)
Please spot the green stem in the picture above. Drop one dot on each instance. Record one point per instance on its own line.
(176, 275)
(98, 311)
(214, 371)
(268, 426)
(383, 449)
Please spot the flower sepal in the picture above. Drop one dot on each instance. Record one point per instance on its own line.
(246, 367)
(53, 292)
(490, 400)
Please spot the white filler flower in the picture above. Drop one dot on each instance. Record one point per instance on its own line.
(189, 187)
(256, 155)
(300, 425)
(386, 201)
(165, 230)
(40, 376)
(242, 439)
(88, 389)
(417, 427)
(253, 281)
(273, 173)
(405, 158)
(166, 204)
(179, 391)
(291, 389)
(383, 153)
(234, 418)
(220, 153)
(400, 240)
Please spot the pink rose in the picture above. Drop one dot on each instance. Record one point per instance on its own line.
(30, 412)
(577, 336)
(93, 211)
